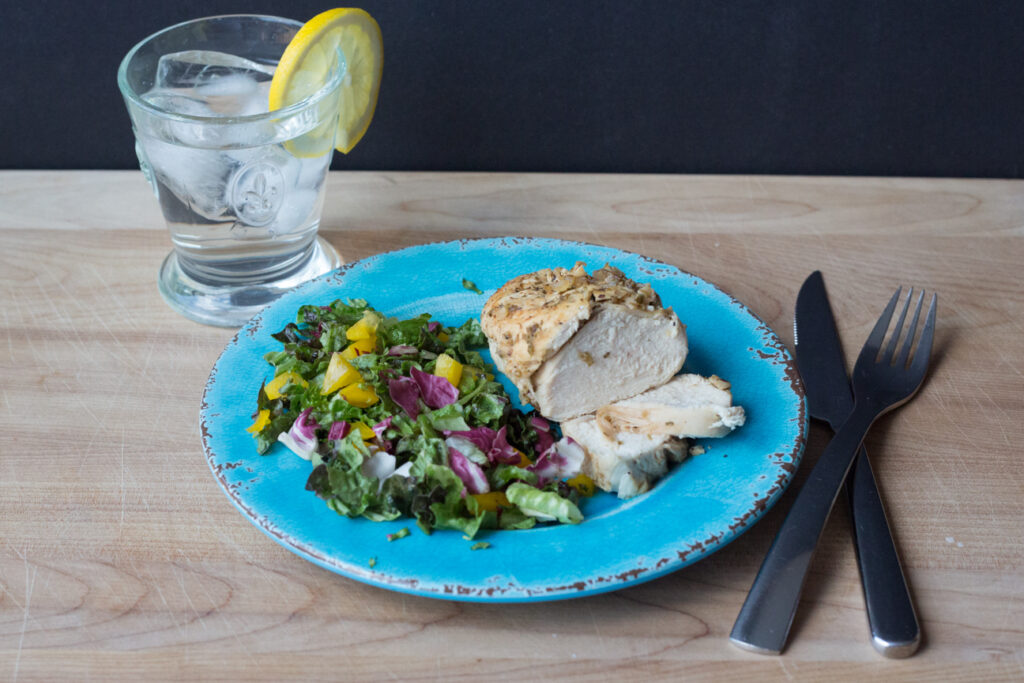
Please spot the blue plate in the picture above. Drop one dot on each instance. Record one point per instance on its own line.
(702, 505)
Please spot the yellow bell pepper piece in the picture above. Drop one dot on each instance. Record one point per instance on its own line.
(340, 373)
(523, 460)
(359, 347)
(273, 387)
(449, 368)
(359, 394)
(365, 327)
(582, 483)
(365, 431)
(261, 421)
(492, 501)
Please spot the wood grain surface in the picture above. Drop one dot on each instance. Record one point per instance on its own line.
(121, 559)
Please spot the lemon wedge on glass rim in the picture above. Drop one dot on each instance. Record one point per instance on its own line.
(309, 58)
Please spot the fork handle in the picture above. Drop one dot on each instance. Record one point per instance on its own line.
(895, 631)
(764, 620)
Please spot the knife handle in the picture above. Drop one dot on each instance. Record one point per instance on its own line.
(764, 620)
(895, 631)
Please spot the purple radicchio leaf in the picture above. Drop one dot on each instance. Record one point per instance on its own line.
(406, 393)
(561, 461)
(543, 429)
(481, 437)
(468, 471)
(433, 326)
(339, 430)
(301, 438)
(379, 430)
(501, 450)
(304, 427)
(437, 392)
(381, 426)
(402, 350)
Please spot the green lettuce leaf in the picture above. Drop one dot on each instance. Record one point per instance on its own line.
(487, 409)
(268, 435)
(514, 519)
(543, 504)
(424, 451)
(503, 474)
(394, 332)
(283, 361)
(456, 511)
(448, 419)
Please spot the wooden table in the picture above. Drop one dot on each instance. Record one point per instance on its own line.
(121, 559)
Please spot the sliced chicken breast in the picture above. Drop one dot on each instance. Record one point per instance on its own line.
(689, 405)
(619, 352)
(628, 445)
(627, 464)
(572, 342)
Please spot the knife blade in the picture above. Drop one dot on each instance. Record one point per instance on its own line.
(895, 631)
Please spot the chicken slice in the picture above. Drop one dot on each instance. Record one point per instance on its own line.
(627, 464)
(689, 405)
(619, 352)
(629, 444)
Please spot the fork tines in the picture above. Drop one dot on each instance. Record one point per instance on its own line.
(888, 357)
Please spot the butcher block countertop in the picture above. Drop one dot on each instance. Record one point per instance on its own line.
(122, 559)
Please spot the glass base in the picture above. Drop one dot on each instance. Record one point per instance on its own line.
(234, 305)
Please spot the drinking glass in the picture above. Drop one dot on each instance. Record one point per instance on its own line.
(241, 188)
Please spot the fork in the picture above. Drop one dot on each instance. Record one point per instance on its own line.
(881, 382)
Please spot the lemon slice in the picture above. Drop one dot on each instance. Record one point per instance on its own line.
(306, 63)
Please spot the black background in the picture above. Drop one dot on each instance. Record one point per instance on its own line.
(827, 87)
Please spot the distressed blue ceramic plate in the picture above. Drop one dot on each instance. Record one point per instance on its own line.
(698, 508)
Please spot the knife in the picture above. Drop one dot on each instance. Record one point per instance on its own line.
(895, 631)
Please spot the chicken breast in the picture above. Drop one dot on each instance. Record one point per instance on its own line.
(572, 342)
(628, 445)
(627, 464)
(689, 405)
(619, 352)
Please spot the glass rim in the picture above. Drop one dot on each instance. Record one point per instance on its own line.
(334, 78)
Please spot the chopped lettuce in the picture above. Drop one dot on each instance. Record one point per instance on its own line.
(544, 505)
(414, 445)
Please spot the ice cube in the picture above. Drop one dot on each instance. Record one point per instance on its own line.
(295, 211)
(312, 173)
(227, 85)
(197, 67)
(197, 177)
(234, 95)
(176, 101)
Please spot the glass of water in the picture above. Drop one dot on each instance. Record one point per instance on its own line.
(241, 187)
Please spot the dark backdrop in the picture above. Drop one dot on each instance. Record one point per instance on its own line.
(816, 86)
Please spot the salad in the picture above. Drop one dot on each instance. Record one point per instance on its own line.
(403, 418)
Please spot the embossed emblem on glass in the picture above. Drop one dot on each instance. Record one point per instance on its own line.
(257, 192)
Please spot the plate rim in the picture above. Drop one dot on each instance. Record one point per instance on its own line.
(787, 463)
